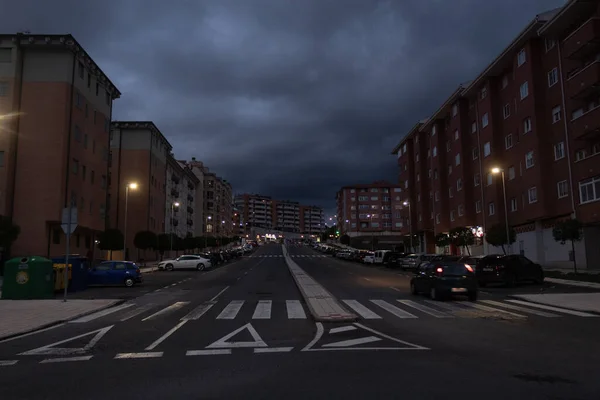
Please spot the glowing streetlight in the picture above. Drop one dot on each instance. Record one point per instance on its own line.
(500, 171)
(130, 186)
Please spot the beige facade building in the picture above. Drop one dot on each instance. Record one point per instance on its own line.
(181, 193)
(55, 112)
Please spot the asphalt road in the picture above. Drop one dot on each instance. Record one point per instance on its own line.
(409, 350)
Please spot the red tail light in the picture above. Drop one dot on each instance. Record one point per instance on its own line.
(468, 267)
(439, 270)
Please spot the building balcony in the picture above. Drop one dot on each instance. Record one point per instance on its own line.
(190, 210)
(585, 82)
(190, 197)
(190, 186)
(190, 222)
(175, 178)
(587, 126)
(584, 41)
(175, 193)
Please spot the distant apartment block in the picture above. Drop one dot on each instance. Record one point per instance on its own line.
(182, 190)
(532, 114)
(55, 107)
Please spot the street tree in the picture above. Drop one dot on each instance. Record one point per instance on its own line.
(462, 237)
(345, 239)
(570, 230)
(442, 240)
(163, 243)
(189, 243)
(144, 240)
(111, 240)
(496, 236)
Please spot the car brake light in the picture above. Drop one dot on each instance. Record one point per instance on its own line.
(468, 267)
(439, 270)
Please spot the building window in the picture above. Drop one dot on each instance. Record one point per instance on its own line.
(550, 43)
(437, 218)
(418, 178)
(580, 155)
(450, 192)
(437, 195)
(556, 114)
(461, 210)
(529, 160)
(559, 151)
(521, 58)
(483, 93)
(448, 146)
(513, 204)
(434, 151)
(3, 88)
(433, 130)
(452, 215)
(589, 190)
(454, 110)
(478, 206)
(506, 111)
(458, 185)
(532, 195)
(484, 120)
(456, 134)
(527, 125)
(457, 159)
(487, 149)
(552, 77)
(75, 166)
(508, 143)
(449, 169)
(475, 152)
(490, 178)
(476, 179)
(562, 189)
(511, 173)
(474, 127)
(524, 90)
(504, 81)
(491, 209)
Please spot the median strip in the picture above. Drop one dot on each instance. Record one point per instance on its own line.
(321, 304)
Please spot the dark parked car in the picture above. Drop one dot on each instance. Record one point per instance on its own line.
(509, 270)
(444, 279)
(110, 273)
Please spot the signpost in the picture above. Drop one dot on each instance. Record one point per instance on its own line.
(68, 225)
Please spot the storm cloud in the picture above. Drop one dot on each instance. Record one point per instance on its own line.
(286, 98)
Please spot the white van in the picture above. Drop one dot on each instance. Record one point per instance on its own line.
(378, 258)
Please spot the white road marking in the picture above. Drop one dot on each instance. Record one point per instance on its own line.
(65, 359)
(273, 350)
(199, 311)
(394, 288)
(207, 352)
(263, 310)
(318, 336)
(51, 349)
(523, 309)
(446, 306)
(367, 279)
(361, 310)
(6, 363)
(353, 342)
(295, 310)
(232, 310)
(137, 311)
(102, 313)
(167, 310)
(552, 308)
(342, 329)
(398, 312)
(150, 354)
(166, 335)
(223, 342)
(492, 310)
(220, 293)
(425, 309)
(33, 333)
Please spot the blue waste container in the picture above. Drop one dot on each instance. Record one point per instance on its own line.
(79, 271)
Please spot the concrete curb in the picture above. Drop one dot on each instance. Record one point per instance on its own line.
(567, 282)
(518, 297)
(310, 300)
(61, 321)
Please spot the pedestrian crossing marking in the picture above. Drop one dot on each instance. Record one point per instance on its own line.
(522, 309)
(291, 255)
(393, 310)
(295, 310)
(167, 310)
(224, 344)
(552, 308)
(361, 310)
(424, 309)
(51, 349)
(232, 310)
(263, 310)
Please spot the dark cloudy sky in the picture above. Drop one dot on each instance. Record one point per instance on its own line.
(286, 98)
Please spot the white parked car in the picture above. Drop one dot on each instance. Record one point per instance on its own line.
(186, 262)
(369, 258)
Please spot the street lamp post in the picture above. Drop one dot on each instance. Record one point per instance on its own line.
(206, 236)
(370, 216)
(173, 206)
(131, 186)
(406, 203)
(501, 172)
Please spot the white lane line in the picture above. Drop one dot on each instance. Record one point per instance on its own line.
(102, 313)
(353, 342)
(33, 333)
(246, 273)
(263, 310)
(215, 352)
(294, 309)
(137, 311)
(395, 288)
(342, 329)
(398, 312)
(6, 363)
(150, 354)
(522, 309)
(167, 310)
(166, 335)
(367, 279)
(232, 310)
(273, 350)
(198, 311)
(66, 359)
(552, 308)
(425, 309)
(220, 293)
(361, 310)
(492, 310)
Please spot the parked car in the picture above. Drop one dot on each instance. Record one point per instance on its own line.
(444, 279)
(369, 258)
(115, 273)
(186, 262)
(413, 261)
(508, 270)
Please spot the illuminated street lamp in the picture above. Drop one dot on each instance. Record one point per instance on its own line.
(173, 207)
(500, 171)
(406, 203)
(132, 186)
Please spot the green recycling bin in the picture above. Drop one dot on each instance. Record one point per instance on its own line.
(28, 278)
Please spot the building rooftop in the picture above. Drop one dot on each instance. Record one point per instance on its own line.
(148, 125)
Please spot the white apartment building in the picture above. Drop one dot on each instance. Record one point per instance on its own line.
(287, 216)
(313, 220)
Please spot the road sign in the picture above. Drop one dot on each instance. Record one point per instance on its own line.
(69, 220)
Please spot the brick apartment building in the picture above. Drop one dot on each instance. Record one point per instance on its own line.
(61, 106)
(182, 190)
(368, 211)
(258, 211)
(532, 113)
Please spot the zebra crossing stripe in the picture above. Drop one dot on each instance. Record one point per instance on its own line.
(522, 309)
(361, 310)
(493, 310)
(425, 309)
(295, 310)
(552, 308)
(263, 310)
(398, 312)
(232, 310)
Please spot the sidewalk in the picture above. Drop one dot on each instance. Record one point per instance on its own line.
(18, 317)
(568, 282)
(585, 302)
